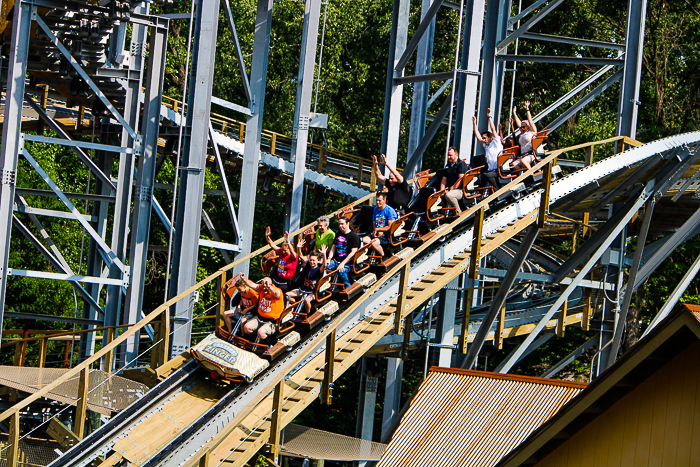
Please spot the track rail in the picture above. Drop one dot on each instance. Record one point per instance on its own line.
(234, 433)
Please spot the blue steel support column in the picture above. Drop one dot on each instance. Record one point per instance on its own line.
(503, 17)
(251, 153)
(141, 218)
(122, 206)
(421, 91)
(634, 48)
(487, 92)
(445, 329)
(191, 188)
(11, 137)
(466, 100)
(392, 393)
(369, 383)
(300, 131)
(394, 92)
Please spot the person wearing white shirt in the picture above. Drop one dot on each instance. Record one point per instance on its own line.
(493, 148)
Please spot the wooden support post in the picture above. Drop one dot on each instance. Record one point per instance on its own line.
(359, 172)
(372, 181)
(44, 101)
(81, 117)
(586, 219)
(586, 318)
(155, 354)
(175, 107)
(165, 336)
(273, 144)
(43, 345)
(402, 301)
(500, 326)
(322, 159)
(561, 321)
(204, 460)
(406, 337)
(276, 421)
(81, 403)
(109, 358)
(13, 453)
(66, 354)
(224, 126)
(17, 360)
(327, 385)
(574, 236)
(221, 308)
(544, 202)
(241, 133)
(588, 159)
(473, 274)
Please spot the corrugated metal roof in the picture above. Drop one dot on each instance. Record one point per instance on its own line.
(694, 310)
(473, 418)
(301, 441)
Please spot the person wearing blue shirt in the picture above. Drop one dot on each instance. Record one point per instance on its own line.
(382, 217)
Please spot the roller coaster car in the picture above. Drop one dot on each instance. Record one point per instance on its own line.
(471, 190)
(309, 236)
(394, 252)
(338, 290)
(424, 209)
(224, 359)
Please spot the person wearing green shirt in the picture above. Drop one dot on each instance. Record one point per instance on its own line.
(324, 235)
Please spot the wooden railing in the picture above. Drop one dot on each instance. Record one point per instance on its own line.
(161, 315)
(236, 129)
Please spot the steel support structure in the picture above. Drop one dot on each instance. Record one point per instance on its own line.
(11, 132)
(392, 392)
(634, 49)
(191, 188)
(445, 326)
(500, 299)
(143, 199)
(253, 132)
(421, 92)
(302, 109)
(369, 384)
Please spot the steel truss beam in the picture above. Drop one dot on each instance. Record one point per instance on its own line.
(528, 24)
(251, 154)
(239, 53)
(141, 217)
(189, 207)
(563, 363)
(539, 342)
(622, 316)
(620, 223)
(302, 110)
(500, 299)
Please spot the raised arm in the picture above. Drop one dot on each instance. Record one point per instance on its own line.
(300, 245)
(515, 117)
(291, 247)
(269, 240)
(248, 282)
(324, 260)
(380, 176)
(476, 130)
(392, 169)
(529, 117)
(492, 125)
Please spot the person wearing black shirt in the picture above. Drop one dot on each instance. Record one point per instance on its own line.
(346, 244)
(398, 191)
(452, 179)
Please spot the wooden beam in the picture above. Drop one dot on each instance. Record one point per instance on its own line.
(221, 308)
(42, 351)
(585, 320)
(544, 202)
(476, 243)
(109, 358)
(327, 386)
(204, 460)
(13, 452)
(500, 326)
(164, 350)
(63, 436)
(406, 337)
(81, 403)
(276, 420)
(401, 303)
(561, 320)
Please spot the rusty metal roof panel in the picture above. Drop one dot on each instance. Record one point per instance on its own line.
(473, 418)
